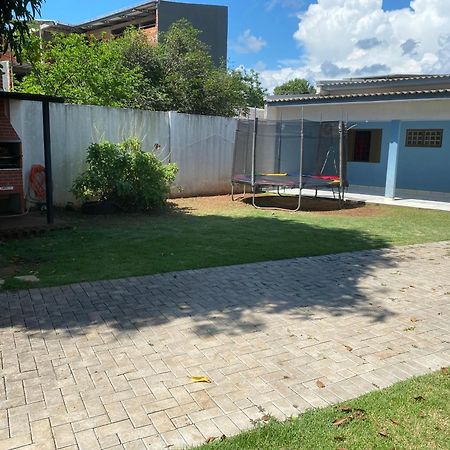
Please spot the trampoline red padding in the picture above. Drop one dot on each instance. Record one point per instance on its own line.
(288, 181)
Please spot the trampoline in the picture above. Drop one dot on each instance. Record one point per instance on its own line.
(284, 155)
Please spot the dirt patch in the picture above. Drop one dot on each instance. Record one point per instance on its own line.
(223, 203)
(12, 266)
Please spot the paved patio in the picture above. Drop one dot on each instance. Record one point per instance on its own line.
(108, 364)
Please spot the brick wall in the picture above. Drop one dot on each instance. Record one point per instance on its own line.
(11, 180)
(152, 34)
(11, 185)
(7, 132)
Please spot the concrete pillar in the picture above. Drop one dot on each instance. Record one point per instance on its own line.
(391, 172)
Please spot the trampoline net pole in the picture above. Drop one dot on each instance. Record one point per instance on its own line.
(255, 133)
(300, 170)
(341, 160)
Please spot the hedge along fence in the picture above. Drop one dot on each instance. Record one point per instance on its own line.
(201, 146)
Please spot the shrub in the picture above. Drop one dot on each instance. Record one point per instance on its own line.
(125, 175)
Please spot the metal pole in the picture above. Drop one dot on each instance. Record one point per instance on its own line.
(341, 161)
(255, 131)
(300, 182)
(48, 161)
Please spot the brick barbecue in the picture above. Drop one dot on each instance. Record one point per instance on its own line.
(11, 176)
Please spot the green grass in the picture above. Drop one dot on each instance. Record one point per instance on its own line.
(414, 414)
(120, 246)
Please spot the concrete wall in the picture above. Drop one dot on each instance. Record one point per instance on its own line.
(202, 146)
(211, 20)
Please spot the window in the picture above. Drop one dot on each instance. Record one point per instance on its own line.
(424, 138)
(364, 145)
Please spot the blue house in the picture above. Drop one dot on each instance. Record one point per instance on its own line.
(399, 130)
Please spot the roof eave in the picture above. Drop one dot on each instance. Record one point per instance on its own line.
(30, 97)
(361, 99)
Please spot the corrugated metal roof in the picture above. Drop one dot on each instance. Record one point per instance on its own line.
(134, 12)
(316, 98)
(382, 79)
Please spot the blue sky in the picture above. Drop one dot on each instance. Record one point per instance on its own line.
(315, 39)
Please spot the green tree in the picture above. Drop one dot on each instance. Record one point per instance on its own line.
(252, 89)
(178, 74)
(15, 16)
(81, 69)
(295, 86)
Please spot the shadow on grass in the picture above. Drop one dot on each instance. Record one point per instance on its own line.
(308, 204)
(220, 300)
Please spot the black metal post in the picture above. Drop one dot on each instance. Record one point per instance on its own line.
(48, 161)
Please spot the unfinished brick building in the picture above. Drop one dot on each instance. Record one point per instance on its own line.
(153, 18)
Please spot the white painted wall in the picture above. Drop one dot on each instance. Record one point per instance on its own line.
(202, 146)
(372, 111)
(26, 118)
(75, 127)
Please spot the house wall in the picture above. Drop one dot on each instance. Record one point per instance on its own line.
(370, 173)
(202, 146)
(373, 111)
(424, 168)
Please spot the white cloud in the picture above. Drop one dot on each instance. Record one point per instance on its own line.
(344, 38)
(248, 43)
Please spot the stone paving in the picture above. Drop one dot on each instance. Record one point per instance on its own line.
(108, 364)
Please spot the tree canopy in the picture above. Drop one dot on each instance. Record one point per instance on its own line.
(178, 74)
(15, 16)
(295, 86)
(83, 70)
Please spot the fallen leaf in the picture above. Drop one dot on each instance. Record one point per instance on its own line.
(421, 414)
(383, 432)
(200, 379)
(419, 398)
(348, 348)
(395, 422)
(320, 384)
(345, 408)
(445, 371)
(344, 420)
(211, 439)
(265, 418)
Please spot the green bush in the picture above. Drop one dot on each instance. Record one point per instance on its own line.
(125, 175)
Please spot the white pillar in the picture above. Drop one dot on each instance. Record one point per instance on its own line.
(391, 172)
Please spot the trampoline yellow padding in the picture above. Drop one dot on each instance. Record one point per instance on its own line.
(274, 174)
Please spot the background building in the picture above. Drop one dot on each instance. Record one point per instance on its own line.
(153, 18)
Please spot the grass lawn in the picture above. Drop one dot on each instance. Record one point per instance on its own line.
(205, 232)
(414, 414)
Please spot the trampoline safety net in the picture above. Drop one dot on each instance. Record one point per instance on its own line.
(268, 153)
